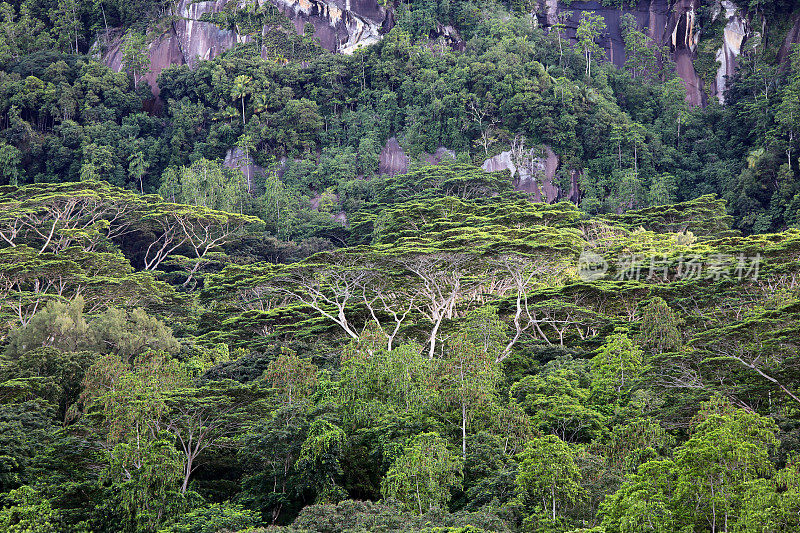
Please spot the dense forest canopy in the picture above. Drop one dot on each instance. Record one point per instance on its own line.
(468, 276)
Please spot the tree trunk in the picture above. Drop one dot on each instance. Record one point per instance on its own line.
(186, 474)
(434, 333)
(464, 430)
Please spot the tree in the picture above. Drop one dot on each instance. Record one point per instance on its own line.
(127, 405)
(206, 417)
(704, 488)
(548, 474)
(59, 325)
(590, 28)
(10, 159)
(636, 134)
(439, 280)
(241, 89)
(67, 24)
(640, 58)
(319, 459)
(523, 273)
(772, 505)
(788, 110)
(329, 287)
(382, 388)
(292, 378)
(662, 190)
(483, 117)
(247, 146)
(98, 163)
(137, 168)
(559, 27)
(26, 510)
(130, 334)
(558, 401)
(64, 326)
(644, 502)
(618, 363)
(658, 330)
(54, 217)
(729, 447)
(206, 183)
(215, 517)
(471, 374)
(136, 56)
(424, 475)
(146, 476)
(198, 229)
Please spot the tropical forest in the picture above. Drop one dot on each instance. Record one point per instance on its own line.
(441, 266)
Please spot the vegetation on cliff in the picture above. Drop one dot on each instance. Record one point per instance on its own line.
(218, 314)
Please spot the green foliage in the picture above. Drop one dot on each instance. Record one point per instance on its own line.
(135, 55)
(548, 477)
(64, 326)
(618, 364)
(213, 518)
(26, 511)
(424, 475)
(704, 486)
(659, 330)
(590, 28)
(558, 401)
(207, 184)
(428, 337)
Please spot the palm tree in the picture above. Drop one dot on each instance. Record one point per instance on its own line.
(241, 88)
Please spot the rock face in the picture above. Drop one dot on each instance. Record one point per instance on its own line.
(345, 25)
(650, 14)
(533, 172)
(235, 158)
(340, 26)
(201, 40)
(666, 24)
(792, 37)
(439, 155)
(393, 160)
(672, 24)
(735, 32)
(164, 51)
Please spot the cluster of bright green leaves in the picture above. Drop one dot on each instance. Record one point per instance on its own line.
(704, 486)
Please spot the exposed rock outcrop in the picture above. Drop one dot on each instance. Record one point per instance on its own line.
(393, 160)
(666, 24)
(345, 25)
(164, 51)
(792, 37)
(235, 158)
(653, 15)
(533, 172)
(340, 26)
(439, 155)
(735, 32)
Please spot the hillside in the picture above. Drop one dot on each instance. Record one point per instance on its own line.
(319, 266)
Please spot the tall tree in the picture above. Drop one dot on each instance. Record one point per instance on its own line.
(471, 372)
(242, 87)
(136, 55)
(590, 28)
(548, 474)
(424, 475)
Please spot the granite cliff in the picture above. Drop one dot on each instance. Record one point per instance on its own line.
(704, 51)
